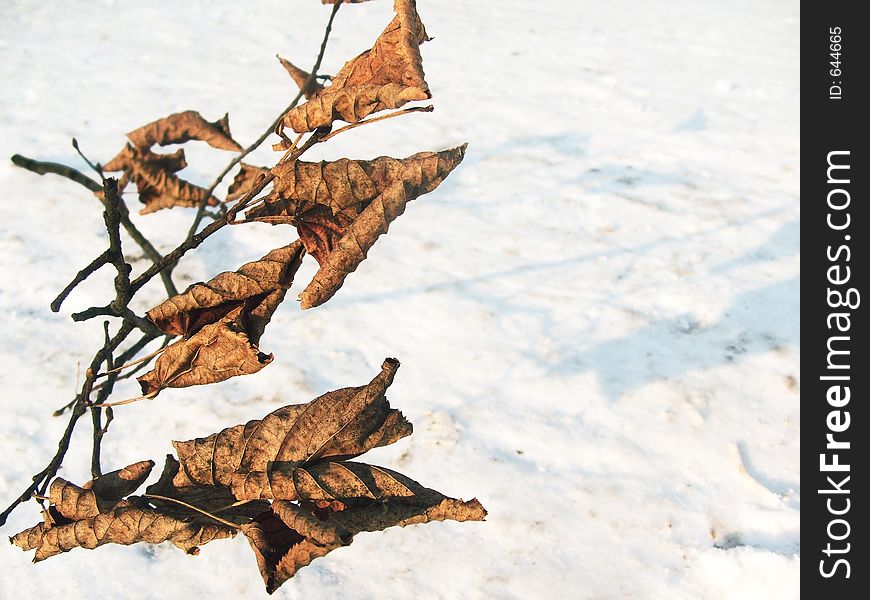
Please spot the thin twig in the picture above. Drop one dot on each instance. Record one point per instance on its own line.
(41, 168)
(200, 212)
(95, 167)
(97, 417)
(122, 402)
(41, 479)
(133, 362)
(397, 113)
(102, 259)
(112, 217)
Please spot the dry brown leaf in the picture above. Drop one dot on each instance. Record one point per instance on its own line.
(340, 208)
(215, 353)
(280, 551)
(125, 524)
(116, 485)
(410, 178)
(182, 127)
(292, 536)
(301, 78)
(70, 502)
(171, 163)
(340, 424)
(81, 518)
(245, 180)
(216, 500)
(385, 77)
(153, 174)
(160, 189)
(257, 288)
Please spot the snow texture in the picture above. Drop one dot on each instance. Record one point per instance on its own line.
(596, 314)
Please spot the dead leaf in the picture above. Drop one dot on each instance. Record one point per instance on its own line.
(81, 519)
(114, 486)
(245, 180)
(300, 77)
(292, 536)
(160, 189)
(280, 551)
(340, 208)
(215, 353)
(256, 287)
(100, 495)
(216, 500)
(182, 127)
(340, 424)
(153, 174)
(385, 77)
(171, 163)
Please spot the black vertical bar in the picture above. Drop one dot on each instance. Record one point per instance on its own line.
(835, 223)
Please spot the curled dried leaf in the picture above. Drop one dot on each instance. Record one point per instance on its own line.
(409, 179)
(171, 163)
(280, 551)
(292, 536)
(215, 353)
(340, 424)
(385, 77)
(87, 518)
(182, 127)
(245, 180)
(160, 189)
(257, 288)
(310, 87)
(123, 482)
(340, 208)
(124, 524)
(215, 500)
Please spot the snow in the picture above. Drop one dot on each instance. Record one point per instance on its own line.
(597, 313)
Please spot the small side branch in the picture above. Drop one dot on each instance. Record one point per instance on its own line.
(41, 168)
(98, 262)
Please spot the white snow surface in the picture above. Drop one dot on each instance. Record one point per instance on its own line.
(596, 313)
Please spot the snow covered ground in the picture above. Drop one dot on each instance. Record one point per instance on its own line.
(596, 314)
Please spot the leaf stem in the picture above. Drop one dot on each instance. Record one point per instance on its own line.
(192, 507)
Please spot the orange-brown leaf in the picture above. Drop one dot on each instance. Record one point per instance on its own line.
(125, 524)
(88, 518)
(182, 127)
(280, 551)
(340, 424)
(257, 288)
(170, 163)
(215, 353)
(340, 208)
(385, 77)
(402, 182)
(301, 78)
(245, 180)
(291, 536)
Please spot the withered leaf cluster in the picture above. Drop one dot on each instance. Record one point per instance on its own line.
(287, 482)
(340, 208)
(154, 173)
